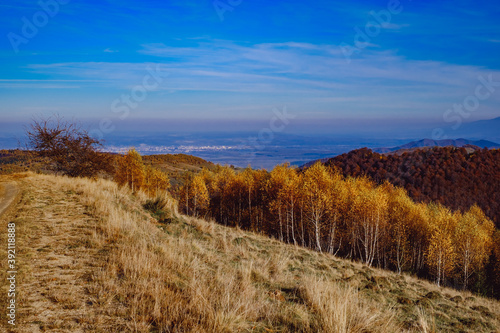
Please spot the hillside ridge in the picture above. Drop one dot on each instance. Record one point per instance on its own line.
(98, 261)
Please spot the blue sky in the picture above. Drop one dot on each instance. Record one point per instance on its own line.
(235, 67)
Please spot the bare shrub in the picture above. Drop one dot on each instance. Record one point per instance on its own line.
(68, 148)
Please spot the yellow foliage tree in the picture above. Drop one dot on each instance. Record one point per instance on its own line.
(419, 235)
(277, 201)
(155, 181)
(283, 191)
(194, 195)
(199, 195)
(370, 220)
(339, 208)
(317, 201)
(131, 170)
(473, 242)
(441, 252)
(219, 189)
(402, 212)
(248, 177)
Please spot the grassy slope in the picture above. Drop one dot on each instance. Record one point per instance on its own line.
(91, 259)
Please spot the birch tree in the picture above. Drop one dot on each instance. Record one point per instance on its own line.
(316, 182)
(441, 253)
(473, 242)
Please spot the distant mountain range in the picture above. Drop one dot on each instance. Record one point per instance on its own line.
(439, 143)
(482, 129)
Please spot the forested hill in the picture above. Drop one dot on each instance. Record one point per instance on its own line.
(451, 176)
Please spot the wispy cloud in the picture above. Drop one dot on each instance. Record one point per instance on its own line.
(303, 73)
(40, 84)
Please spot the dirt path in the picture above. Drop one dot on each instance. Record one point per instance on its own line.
(8, 192)
(55, 263)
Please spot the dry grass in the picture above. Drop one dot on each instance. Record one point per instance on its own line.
(342, 309)
(130, 273)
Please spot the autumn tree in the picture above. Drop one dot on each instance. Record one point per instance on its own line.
(236, 193)
(219, 192)
(248, 178)
(291, 193)
(68, 148)
(317, 201)
(370, 218)
(155, 181)
(337, 211)
(275, 189)
(402, 213)
(283, 191)
(441, 252)
(419, 236)
(194, 195)
(260, 201)
(131, 170)
(473, 242)
(184, 192)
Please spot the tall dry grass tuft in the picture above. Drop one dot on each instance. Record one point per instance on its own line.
(426, 323)
(341, 309)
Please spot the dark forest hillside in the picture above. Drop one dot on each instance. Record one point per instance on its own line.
(451, 176)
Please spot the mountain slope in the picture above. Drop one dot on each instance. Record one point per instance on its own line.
(452, 176)
(92, 259)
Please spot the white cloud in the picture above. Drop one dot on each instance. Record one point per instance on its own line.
(301, 73)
